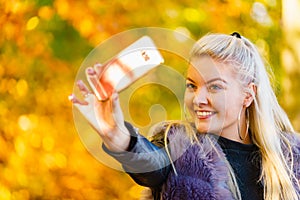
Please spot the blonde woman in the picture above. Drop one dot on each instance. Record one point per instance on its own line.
(237, 144)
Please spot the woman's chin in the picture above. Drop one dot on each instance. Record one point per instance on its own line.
(204, 130)
(201, 128)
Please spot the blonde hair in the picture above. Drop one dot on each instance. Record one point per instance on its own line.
(268, 121)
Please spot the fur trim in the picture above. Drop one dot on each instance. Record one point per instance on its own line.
(202, 171)
(201, 167)
(294, 140)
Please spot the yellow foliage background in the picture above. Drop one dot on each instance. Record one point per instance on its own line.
(44, 42)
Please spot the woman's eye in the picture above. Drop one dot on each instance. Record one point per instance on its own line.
(215, 87)
(190, 86)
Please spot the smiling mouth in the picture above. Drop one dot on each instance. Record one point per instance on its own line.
(204, 114)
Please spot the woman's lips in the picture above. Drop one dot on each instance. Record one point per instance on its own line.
(203, 114)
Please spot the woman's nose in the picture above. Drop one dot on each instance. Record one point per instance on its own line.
(201, 96)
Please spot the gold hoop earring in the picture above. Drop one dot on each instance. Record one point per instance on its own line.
(247, 123)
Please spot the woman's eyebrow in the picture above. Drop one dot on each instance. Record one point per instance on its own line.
(216, 79)
(209, 81)
(189, 79)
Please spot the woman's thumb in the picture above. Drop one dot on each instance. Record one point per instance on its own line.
(116, 107)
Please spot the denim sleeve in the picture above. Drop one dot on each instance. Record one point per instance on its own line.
(146, 163)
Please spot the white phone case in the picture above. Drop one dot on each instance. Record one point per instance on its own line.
(129, 65)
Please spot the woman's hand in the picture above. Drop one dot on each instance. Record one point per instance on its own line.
(105, 117)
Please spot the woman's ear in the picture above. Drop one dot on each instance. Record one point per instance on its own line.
(250, 94)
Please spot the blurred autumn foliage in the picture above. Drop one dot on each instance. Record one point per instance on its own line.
(43, 43)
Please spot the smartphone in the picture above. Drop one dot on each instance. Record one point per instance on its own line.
(130, 64)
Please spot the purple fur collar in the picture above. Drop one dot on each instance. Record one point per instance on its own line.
(207, 177)
(202, 172)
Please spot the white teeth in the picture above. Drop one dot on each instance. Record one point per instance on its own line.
(203, 113)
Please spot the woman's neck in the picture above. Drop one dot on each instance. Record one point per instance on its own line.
(246, 139)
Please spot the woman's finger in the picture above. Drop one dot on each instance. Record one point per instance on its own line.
(98, 68)
(83, 88)
(97, 88)
(75, 100)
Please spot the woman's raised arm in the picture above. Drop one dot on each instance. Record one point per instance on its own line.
(106, 117)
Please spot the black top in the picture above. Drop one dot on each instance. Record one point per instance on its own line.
(245, 161)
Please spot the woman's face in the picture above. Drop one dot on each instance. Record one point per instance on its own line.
(213, 96)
